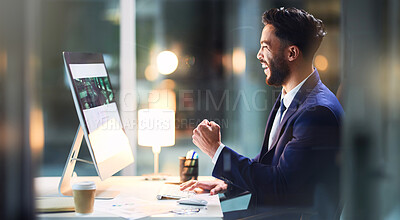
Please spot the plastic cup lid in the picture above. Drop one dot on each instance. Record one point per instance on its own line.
(85, 185)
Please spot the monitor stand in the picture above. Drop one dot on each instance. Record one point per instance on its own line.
(64, 187)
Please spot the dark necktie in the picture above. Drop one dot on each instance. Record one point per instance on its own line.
(283, 108)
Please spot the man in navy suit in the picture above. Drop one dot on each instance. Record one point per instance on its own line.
(297, 165)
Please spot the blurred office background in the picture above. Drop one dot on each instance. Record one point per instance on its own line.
(217, 77)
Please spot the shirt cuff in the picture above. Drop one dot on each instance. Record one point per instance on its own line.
(217, 153)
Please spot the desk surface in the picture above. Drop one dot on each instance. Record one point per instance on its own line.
(137, 187)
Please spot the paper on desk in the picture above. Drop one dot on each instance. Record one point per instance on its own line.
(132, 208)
(54, 204)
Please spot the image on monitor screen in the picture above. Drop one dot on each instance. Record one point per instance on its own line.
(95, 96)
(94, 91)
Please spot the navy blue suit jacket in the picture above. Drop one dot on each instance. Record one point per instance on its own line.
(303, 158)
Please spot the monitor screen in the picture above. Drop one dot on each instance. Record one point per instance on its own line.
(98, 113)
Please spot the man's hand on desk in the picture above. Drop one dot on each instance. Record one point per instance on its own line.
(214, 187)
(207, 137)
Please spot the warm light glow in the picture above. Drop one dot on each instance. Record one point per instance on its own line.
(162, 99)
(227, 62)
(167, 62)
(167, 84)
(321, 63)
(238, 61)
(150, 73)
(36, 131)
(156, 127)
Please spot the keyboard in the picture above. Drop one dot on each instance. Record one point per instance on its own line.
(172, 191)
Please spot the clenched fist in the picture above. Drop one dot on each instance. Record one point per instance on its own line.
(207, 137)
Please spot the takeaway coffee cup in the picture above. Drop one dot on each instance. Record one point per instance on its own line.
(84, 193)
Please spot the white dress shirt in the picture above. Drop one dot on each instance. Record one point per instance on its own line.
(287, 100)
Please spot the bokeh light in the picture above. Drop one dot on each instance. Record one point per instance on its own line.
(167, 62)
(321, 63)
(238, 61)
(189, 61)
(167, 84)
(150, 73)
(36, 131)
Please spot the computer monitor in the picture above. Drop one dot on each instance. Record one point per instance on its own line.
(99, 120)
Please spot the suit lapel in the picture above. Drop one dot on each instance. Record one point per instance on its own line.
(268, 127)
(289, 112)
(301, 95)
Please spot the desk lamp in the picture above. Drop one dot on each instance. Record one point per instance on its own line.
(156, 128)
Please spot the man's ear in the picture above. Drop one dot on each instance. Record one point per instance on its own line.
(293, 52)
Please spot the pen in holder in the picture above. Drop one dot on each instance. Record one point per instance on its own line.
(188, 169)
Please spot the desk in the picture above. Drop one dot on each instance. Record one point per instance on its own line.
(137, 186)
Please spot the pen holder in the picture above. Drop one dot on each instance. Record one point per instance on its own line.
(188, 169)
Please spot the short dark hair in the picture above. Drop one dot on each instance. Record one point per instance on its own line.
(296, 27)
